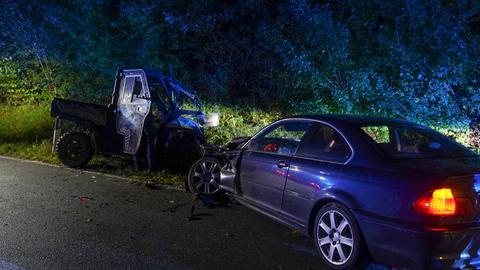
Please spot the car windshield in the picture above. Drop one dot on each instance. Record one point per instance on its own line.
(414, 141)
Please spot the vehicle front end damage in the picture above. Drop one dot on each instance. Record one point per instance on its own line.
(182, 135)
(228, 176)
(217, 169)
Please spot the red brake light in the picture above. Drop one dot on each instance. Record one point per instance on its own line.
(440, 203)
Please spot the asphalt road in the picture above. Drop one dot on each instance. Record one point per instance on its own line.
(57, 218)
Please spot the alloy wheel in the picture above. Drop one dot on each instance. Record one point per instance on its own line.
(335, 237)
(206, 176)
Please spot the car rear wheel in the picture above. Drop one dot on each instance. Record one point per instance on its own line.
(74, 149)
(337, 237)
(204, 176)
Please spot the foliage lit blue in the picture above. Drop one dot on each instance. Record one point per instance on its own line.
(413, 59)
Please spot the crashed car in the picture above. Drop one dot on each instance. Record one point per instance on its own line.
(394, 191)
(82, 129)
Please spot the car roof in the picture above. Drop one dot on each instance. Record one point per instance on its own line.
(354, 119)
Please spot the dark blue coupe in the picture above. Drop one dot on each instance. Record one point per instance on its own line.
(363, 188)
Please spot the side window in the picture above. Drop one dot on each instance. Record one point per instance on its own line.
(411, 141)
(282, 139)
(160, 97)
(138, 89)
(380, 134)
(324, 143)
(127, 91)
(133, 90)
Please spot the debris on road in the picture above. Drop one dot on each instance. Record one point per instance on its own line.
(151, 185)
(294, 233)
(174, 208)
(192, 215)
(102, 205)
(129, 200)
(85, 199)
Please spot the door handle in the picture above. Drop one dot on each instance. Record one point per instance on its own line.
(282, 164)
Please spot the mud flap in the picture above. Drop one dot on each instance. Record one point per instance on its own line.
(56, 132)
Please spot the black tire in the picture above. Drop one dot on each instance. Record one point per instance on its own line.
(345, 238)
(204, 176)
(74, 149)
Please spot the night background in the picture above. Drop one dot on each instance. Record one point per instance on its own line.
(417, 60)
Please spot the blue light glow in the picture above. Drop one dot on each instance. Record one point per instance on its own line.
(463, 257)
(476, 183)
(466, 260)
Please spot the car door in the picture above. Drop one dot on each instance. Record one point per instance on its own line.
(265, 161)
(132, 108)
(316, 165)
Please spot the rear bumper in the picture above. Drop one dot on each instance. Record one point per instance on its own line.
(404, 247)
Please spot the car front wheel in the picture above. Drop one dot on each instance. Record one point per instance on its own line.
(337, 237)
(204, 176)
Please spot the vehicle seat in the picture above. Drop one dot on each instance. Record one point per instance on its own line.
(314, 144)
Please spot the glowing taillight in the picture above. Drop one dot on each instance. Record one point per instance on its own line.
(440, 203)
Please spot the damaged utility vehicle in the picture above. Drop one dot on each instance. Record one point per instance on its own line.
(116, 129)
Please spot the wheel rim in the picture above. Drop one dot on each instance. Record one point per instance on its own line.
(335, 237)
(206, 177)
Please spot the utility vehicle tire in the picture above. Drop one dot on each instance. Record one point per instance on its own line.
(204, 176)
(74, 149)
(338, 238)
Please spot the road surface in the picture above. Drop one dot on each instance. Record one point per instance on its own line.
(57, 218)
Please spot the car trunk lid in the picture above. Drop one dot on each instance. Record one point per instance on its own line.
(442, 167)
